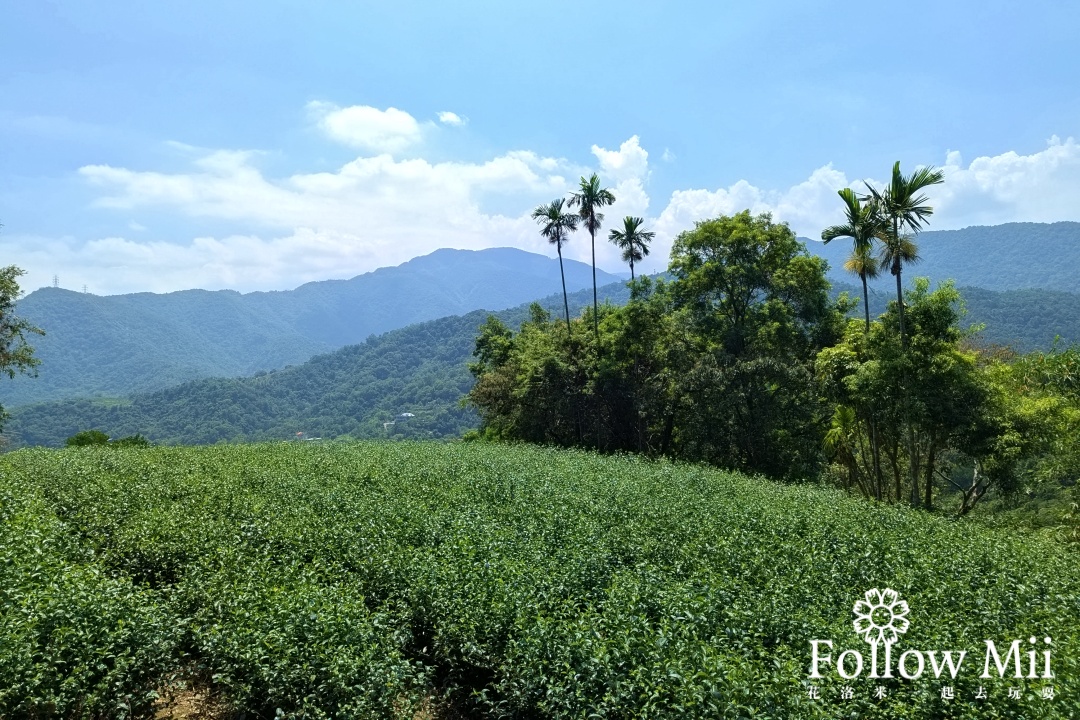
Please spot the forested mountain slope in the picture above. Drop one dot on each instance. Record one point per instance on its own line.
(1025, 320)
(420, 369)
(1012, 256)
(123, 344)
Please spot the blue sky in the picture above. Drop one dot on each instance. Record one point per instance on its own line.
(258, 145)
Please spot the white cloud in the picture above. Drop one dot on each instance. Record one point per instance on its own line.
(381, 210)
(371, 212)
(807, 207)
(368, 128)
(448, 118)
(628, 167)
(668, 156)
(1010, 187)
(1041, 187)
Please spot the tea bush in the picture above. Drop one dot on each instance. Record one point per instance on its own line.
(377, 580)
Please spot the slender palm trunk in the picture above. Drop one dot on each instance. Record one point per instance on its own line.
(913, 460)
(897, 268)
(878, 480)
(565, 302)
(865, 299)
(900, 302)
(595, 304)
(631, 269)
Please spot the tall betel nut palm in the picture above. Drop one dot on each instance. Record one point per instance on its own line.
(902, 207)
(633, 240)
(556, 226)
(588, 200)
(863, 224)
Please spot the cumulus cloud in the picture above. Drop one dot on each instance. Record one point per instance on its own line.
(368, 128)
(448, 118)
(1010, 187)
(628, 168)
(382, 210)
(371, 212)
(1041, 187)
(807, 207)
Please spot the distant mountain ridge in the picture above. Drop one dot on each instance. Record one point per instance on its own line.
(421, 369)
(128, 344)
(1013, 256)
(123, 344)
(362, 391)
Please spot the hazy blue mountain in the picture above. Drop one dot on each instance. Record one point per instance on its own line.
(1013, 256)
(123, 344)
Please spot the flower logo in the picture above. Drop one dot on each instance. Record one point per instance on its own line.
(881, 617)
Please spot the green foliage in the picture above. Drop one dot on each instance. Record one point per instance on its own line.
(87, 438)
(16, 354)
(356, 391)
(981, 419)
(374, 580)
(714, 366)
(1024, 320)
(633, 240)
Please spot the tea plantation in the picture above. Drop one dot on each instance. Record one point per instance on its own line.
(467, 580)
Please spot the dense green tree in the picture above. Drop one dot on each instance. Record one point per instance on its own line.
(589, 199)
(633, 240)
(87, 438)
(932, 389)
(715, 365)
(556, 226)
(16, 354)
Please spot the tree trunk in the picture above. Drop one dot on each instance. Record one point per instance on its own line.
(928, 477)
(565, 302)
(878, 479)
(595, 304)
(631, 269)
(866, 301)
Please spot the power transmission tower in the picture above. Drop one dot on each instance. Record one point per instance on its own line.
(56, 281)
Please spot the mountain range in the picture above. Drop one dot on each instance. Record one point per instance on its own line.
(357, 391)
(1013, 256)
(107, 346)
(167, 366)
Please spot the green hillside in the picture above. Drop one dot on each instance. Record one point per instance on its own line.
(420, 369)
(414, 580)
(123, 344)
(1013, 256)
(1025, 320)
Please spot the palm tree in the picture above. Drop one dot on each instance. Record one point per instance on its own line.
(589, 198)
(864, 225)
(633, 241)
(902, 207)
(556, 226)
